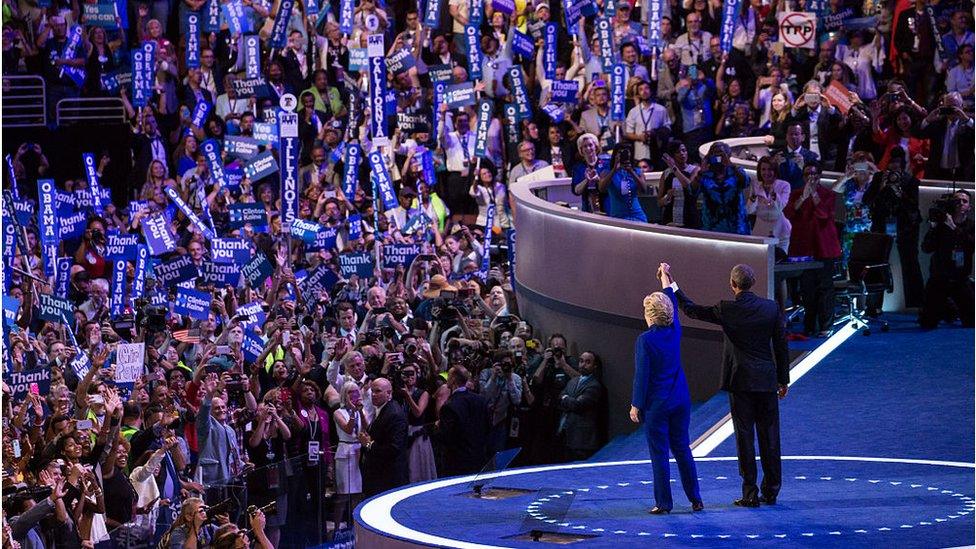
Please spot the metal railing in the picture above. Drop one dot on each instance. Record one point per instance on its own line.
(90, 110)
(24, 102)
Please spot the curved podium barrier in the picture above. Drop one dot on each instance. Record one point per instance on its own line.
(585, 276)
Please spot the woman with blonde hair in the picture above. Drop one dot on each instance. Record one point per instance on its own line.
(351, 420)
(661, 399)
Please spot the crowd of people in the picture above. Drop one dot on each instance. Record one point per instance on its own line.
(242, 329)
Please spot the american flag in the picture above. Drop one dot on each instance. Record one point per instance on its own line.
(191, 335)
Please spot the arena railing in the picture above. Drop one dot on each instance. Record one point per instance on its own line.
(24, 101)
(90, 110)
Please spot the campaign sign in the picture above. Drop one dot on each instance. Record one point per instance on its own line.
(121, 246)
(347, 10)
(522, 44)
(472, 35)
(20, 382)
(604, 33)
(288, 126)
(142, 265)
(192, 40)
(305, 230)
(476, 12)
(565, 91)
(575, 9)
(175, 271)
(355, 222)
(252, 56)
(257, 270)
(91, 173)
(200, 113)
(350, 172)
(100, 14)
(211, 20)
(242, 147)
(554, 112)
(47, 221)
(12, 181)
(440, 73)
(511, 124)
(408, 123)
(189, 213)
(159, 236)
(459, 95)
(233, 14)
(356, 263)
(266, 133)
(230, 250)
(117, 301)
(377, 94)
(505, 6)
(321, 278)
(73, 226)
(243, 213)
(655, 10)
(62, 275)
(485, 110)
(64, 203)
(143, 73)
(251, 345)
(55, 309)
(521, 96)
(618, 81)
(248, 87)
(254, 312)
(401, 61)
(730, 13)
(399, 254)
(381, 178)
(24, 211)
(221, 275)
(261, 166)
(432, 15)
(549, 47)
(358, 60)
(10, 307)
(325, 239)
(797, 29)
(85, 198)
(211, 152)
(192, 303)
(279, 29)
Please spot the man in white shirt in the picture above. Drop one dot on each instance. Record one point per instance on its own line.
(694, 43)
(647, 124)
(528, 163)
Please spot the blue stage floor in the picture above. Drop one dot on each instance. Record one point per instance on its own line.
(879, 439)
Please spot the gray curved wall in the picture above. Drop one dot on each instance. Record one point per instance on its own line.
(585, 275)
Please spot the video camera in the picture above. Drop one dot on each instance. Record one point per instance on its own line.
(943, 207)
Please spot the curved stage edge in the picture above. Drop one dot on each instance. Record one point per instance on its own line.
(833, 500)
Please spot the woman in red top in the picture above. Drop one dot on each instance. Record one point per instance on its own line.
(91, 253)
(811, 211)
(901, 134)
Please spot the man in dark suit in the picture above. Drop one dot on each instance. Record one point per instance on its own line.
(582, 403)
(821, 123)
(463, 427)
(384, 443)
(755, 370)
(794, 157)
(951, 131)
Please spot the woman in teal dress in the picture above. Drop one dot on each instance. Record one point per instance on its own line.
(860, 170)
(622, 184)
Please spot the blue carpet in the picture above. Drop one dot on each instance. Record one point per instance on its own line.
(901, 395)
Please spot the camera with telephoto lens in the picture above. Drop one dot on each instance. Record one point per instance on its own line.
(269, 510)
(22, 493)
(222, 508)
(149, 317)
(410, 349)
(557, 352)
(96, 236)
(943, 207)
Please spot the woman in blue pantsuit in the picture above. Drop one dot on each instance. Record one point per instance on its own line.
(661, 397)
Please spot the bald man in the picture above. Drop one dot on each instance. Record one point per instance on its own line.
(384, 444)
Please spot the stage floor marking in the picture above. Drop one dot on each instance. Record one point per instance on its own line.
(377, 513)
(722, 430)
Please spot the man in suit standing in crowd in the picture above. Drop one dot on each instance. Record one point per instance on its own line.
(582, 403)
(463, 426)
(792, 160)
(756, 369)
(384, 443)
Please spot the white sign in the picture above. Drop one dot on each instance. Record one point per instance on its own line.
(288, 102)
(798, 29)
(129, 359)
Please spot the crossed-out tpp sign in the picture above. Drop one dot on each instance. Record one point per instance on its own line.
(798, 29)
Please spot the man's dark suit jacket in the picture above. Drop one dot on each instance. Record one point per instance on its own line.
(582, 407)
(385, 462)
(828, 128)
(755, 356)
(463, 433)
(792, 172)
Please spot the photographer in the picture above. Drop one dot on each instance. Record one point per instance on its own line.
(622, 184)
(950, 241)
(415, 400)
(893, 199)
(722, 186)
(91, 254)
(581, 427)
(548, 378)
(502, 387)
